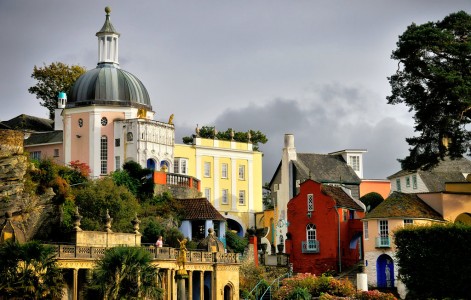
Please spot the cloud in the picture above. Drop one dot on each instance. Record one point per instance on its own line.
(326, 119)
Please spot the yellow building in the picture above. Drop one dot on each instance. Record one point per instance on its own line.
(230, 174)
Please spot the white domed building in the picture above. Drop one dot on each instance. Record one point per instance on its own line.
(108, 118)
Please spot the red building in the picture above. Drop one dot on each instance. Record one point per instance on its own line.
(320, 218)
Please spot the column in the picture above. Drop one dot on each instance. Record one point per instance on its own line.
(202, 285)
(168, 288)
(75, 284)
(190, 285)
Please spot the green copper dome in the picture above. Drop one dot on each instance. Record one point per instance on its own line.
(110, 86)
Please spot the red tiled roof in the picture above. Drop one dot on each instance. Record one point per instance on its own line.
(200, 209)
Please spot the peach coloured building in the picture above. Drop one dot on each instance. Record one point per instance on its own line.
(380, 186)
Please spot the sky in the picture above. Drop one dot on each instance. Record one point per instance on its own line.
(315, 69)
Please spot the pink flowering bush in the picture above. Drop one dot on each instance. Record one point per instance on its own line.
(375, 295)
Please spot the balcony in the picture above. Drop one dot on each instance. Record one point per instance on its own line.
(311, 246)
(173, 179)
(383, 242)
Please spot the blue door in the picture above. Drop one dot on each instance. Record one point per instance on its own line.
(385, 271)
(151, 164)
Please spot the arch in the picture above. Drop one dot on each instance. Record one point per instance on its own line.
(151, 164)
(311, 232)
(235, 224)
(228, 291)
(385, 271)
(464, 218)
(164, 165)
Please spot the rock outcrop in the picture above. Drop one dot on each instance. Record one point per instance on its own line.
(30, 212)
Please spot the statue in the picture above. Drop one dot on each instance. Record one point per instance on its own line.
(182, 255)
(170, 120)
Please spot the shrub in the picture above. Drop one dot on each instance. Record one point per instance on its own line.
(236, 243)
(299, 293)
(374, 295)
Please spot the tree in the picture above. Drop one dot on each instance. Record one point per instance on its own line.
(434, 80)
(371, 200)
(52, 79)
(101, 195)
(29, 271)
(434, 261)
(209, 132)
(125, 273)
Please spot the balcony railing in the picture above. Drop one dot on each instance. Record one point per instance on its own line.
(164, 253)
(311, 246)
(383, 242)
(176, 180)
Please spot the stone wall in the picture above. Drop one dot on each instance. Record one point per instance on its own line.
(178, 192)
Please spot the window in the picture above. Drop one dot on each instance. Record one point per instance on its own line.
(207, 193)
(35, 155)
(398, 184)
(224, 171)
(117, 142)
(56, 152)
(345, 214)
(104, 155)
(104, 121)
(117, 161)
(354, 162)
(129, 137)
(310, 202)
(207, 169)
(365, 230)
(408, 222)
(80, 122)
(383, 228)
(180, 165)
(224, 200)
(241, 172)
(414, 182)
(242, 197)
(407, 181)
(311, 232)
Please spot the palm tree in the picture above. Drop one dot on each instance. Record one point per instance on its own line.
(125, 273)
(29, 271)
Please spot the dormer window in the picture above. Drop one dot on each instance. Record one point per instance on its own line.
(354, 162)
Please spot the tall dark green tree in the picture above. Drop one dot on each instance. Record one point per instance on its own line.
(52, 79)
(434, 80)
(29, 271)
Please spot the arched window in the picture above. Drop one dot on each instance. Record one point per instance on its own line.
(311, 232)
(104, 155)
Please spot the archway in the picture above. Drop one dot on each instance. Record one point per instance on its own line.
(227, 292)
(235, 226)
(385, 271)
(151, 164)
(464, 218)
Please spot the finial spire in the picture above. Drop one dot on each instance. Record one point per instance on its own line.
(108, 41)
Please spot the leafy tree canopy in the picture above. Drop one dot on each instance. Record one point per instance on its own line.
(100, 195)
(209, 132)
(52, 79)
(434, 80)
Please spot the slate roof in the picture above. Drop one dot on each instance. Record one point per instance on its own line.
(447, 170)
(38, 138)
(30, 123)
(341, 197)
(4, 126)
(200, 209)
(325, 168)
(404, 206)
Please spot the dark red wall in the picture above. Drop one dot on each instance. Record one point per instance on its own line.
(325, 218)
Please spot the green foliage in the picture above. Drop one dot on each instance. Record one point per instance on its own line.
(299, 293)
(171, 236)
(124, 273)
(68, 211)
(151, 230)
(250, 275)
(29, 271)
(235, 242)
(434, 260)
(138, 180)
(316, 286)
(208, 132)
(433, 80)
(100, 195)
(374, 295)
(371, 200)
(52, 79)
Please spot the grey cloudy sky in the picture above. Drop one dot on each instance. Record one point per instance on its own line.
(316, 69)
